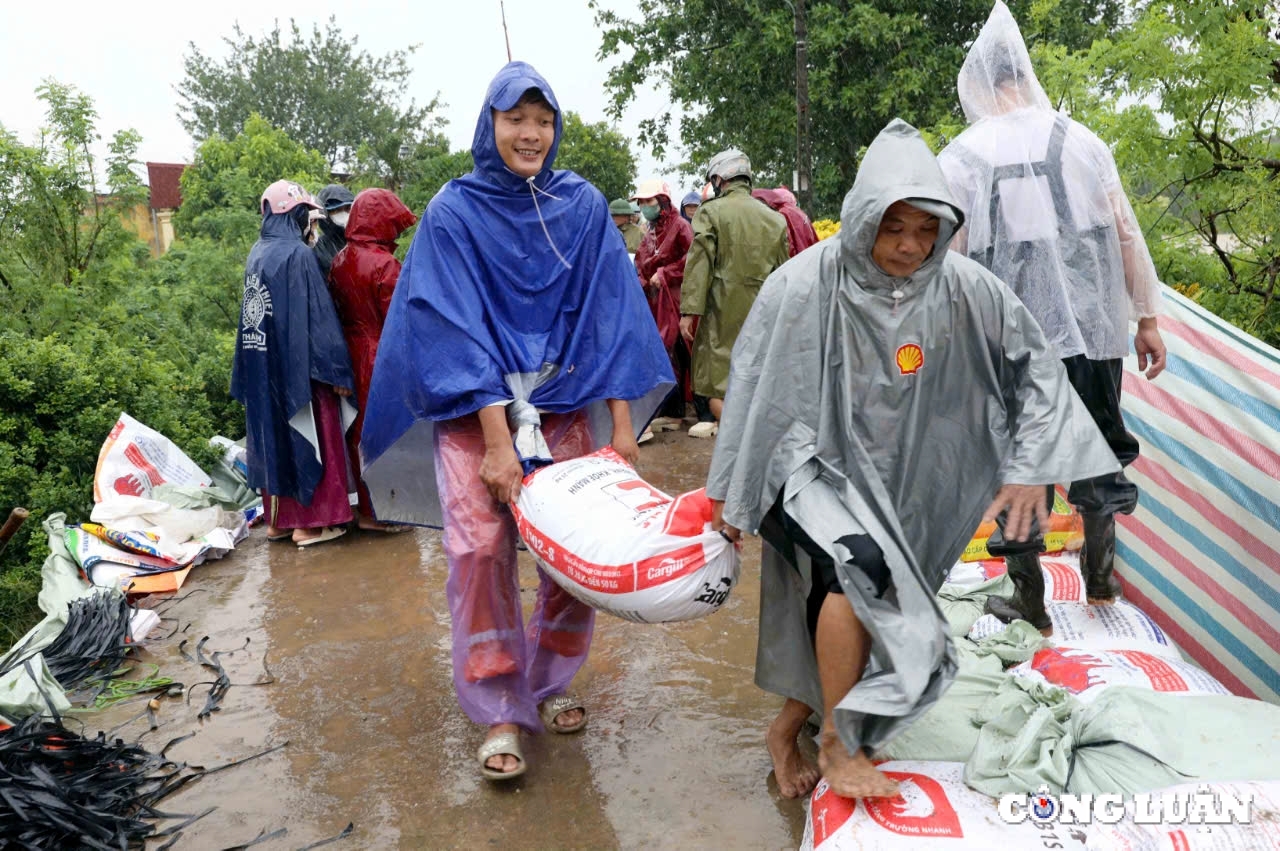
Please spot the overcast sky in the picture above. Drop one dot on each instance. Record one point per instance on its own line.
(128, 57)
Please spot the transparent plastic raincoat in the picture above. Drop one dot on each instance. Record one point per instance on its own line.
(1044, 207)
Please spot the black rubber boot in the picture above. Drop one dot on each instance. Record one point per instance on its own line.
(1097, 558)
(1027, 602)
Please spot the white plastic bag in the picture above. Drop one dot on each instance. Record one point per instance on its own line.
(1262, 831)
(621, 545)
(934, 809)
(1120, 626)
(134, 459)
(1086, 672)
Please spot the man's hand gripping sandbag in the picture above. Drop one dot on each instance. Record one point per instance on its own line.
(620, 545)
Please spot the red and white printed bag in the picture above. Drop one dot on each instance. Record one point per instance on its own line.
(933, 809)
(620, 545)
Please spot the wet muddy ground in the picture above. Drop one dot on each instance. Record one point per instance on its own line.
(356, 634)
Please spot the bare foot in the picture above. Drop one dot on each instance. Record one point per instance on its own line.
(503, 762)
(852, 776)
(1101, 601)
(569, 718)
(300, 535)
(368, 524)
(796, 776)
(1047, 632)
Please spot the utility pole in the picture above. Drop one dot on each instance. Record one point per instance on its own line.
(506, 35)
(804, 157)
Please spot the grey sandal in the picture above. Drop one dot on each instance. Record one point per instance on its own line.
(503, 744)
(551, 708)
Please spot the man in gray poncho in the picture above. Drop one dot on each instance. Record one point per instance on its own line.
(882, 390)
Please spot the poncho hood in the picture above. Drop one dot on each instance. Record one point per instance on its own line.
(898, 166)
(997, 75)
(377, 215)
(504, 92)
(512, 290)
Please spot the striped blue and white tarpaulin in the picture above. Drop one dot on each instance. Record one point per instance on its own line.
(1201, 555)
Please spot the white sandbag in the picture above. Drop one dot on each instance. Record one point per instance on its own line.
(1261, 832)
(1120, 626)
(134, 459)
(934, 809)
(1062, 580)
(621, 545)
(1086, 673)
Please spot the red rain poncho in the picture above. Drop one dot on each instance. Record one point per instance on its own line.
(662, 253)
(800, 232)
(361, 280)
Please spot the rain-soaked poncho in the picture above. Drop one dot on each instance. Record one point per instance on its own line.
(890, 407)
(1044, 205)
(737, 243)
(289, 336)
(513, 289)
(362, 280)
(800, 232)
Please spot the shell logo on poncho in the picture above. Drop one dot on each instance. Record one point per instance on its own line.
(910, 359)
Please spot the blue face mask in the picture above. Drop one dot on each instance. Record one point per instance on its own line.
(651, 212)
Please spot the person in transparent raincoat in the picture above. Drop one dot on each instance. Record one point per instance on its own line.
(1046, 213)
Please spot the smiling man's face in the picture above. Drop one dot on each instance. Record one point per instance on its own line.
(523, 136)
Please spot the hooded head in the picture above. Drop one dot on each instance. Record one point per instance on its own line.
(519, 128)
(898, 167)
(690, 204)
(377, 215)
(997, 76)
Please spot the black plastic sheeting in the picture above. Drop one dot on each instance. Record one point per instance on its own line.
(62, 790)
(92, 645)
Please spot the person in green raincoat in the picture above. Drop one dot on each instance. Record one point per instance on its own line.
(737, 243)
(631, 232)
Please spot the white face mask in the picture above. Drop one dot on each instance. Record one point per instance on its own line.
(340, 218)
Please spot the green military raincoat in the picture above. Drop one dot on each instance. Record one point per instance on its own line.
(737, 243)
(634, 235)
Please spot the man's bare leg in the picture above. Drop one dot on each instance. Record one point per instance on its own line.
(796, 775)
(717, 407)
(843, 647)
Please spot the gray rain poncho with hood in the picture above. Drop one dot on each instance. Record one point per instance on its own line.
(890, 407)
(1044, 205)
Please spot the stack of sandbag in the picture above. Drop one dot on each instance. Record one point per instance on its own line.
(622, 546)
(934, 809)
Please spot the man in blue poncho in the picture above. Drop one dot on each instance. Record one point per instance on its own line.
(291, 370)
(517, 313)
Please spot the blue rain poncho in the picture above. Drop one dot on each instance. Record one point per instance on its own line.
(289, 336)
(513, 291)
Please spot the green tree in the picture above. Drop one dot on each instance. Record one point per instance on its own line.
(598, 152)
(730, 68)
(222, 187)
(1188, 96)
(57, 228)
(320, 88)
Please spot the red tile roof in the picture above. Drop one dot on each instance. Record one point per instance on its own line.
(166, 194)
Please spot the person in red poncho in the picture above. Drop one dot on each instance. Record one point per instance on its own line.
(660, 264)
(361, 280)
(800, 232)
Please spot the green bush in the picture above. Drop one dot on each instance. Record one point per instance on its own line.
(59, 398)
